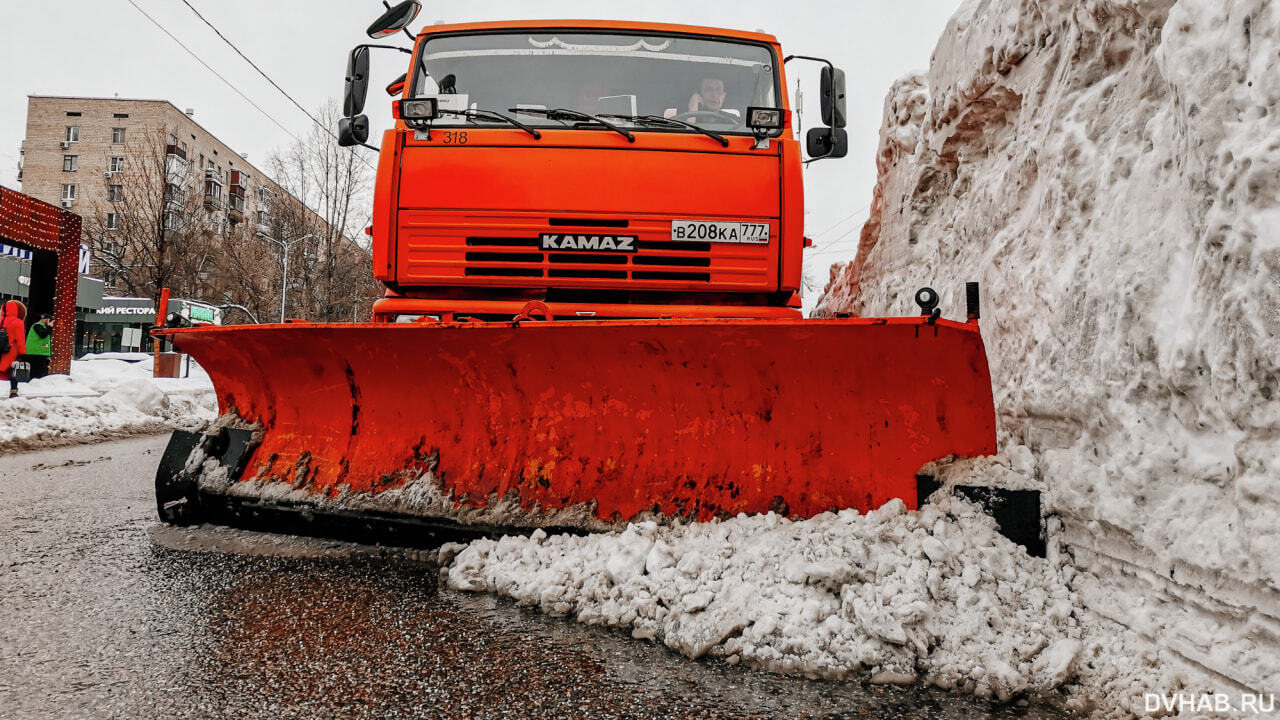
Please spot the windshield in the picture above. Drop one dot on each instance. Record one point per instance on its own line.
(707, 82)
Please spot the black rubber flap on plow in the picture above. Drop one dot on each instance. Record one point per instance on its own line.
(1016, 512)
(176, 490)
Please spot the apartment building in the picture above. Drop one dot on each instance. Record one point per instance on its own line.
(74, 146)
(122, 164)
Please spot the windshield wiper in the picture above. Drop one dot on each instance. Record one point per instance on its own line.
(561, 115)
(670, 122)
(494, 116)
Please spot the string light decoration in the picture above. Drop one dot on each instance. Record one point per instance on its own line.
(37, 225)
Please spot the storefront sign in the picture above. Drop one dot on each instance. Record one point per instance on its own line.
(128, 311)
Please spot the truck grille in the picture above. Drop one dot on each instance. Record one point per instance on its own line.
(439, 248)
(671, 261)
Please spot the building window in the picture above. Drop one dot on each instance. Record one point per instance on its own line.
(120, 115)
(73, 133)
(113, 221)
(115, 164)
(70, 163)
(115, 193)
(117, 135)
(69, 192)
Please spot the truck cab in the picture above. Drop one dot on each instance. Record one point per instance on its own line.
(603, 169)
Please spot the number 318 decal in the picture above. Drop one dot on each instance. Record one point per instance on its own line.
(455, 138)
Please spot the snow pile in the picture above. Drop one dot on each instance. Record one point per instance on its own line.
(1109, 170)
(105, 396)
(936, 596)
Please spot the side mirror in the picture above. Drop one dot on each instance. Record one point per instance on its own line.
(824, 142)
(357, 82)
(353, 131)
(397, 86)
(832, 91)
(395, 19)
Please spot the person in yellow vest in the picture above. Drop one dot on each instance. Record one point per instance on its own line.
(39, 346)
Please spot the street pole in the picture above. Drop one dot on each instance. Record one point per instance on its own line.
(285, 247)
(284, 280)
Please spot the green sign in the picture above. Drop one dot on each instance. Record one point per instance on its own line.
(203, 314)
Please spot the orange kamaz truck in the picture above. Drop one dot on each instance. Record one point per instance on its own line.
(591, 236)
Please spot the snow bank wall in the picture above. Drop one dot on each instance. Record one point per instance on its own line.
(1110, 172)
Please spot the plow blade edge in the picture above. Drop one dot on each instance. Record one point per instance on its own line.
(612, 419)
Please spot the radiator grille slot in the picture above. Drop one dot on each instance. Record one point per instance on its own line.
(587, 259)
(588, 222)
(674, 245)
(597, 274)
(658, 275)
(503, 272)
(504, 257)
(502, 242)
(669, 260)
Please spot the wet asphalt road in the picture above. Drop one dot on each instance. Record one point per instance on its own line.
(106, 614)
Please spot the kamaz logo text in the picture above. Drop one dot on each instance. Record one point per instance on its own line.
(599, 243)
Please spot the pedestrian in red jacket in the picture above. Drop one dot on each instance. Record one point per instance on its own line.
(11, 320)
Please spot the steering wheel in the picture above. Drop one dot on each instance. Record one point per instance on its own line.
(712, 115)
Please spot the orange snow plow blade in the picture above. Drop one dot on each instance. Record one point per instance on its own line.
(599, 420)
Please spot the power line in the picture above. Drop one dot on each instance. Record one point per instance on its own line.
(830, 248)
(255, 67)
(840, 222)
(215, 72)
(274, 84)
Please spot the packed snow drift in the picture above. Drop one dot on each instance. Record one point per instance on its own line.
(934, 596)
(1110, 172)
(106, 396)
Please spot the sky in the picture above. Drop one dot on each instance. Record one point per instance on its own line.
(107, 48)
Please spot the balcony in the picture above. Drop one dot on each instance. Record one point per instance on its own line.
(176, 170)
(235, 207)
(175, 196)
(239, 179)
(176, 151)
(264, 230)
(211, 175)
(212, 201)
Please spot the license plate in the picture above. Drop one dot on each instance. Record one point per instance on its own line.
(726, 232)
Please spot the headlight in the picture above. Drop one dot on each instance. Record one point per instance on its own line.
(764, 118)
(421, 109)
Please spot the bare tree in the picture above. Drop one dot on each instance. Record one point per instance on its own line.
(331, 273)
(148, 229)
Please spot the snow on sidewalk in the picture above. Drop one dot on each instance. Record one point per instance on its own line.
(106, 396)
(935, 596)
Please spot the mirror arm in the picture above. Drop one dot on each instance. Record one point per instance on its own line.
(826, 62)
(385, 47)
(408, 34)
(832, 68)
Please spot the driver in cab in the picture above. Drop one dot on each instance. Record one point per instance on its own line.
(705, 104)
(709, 97)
